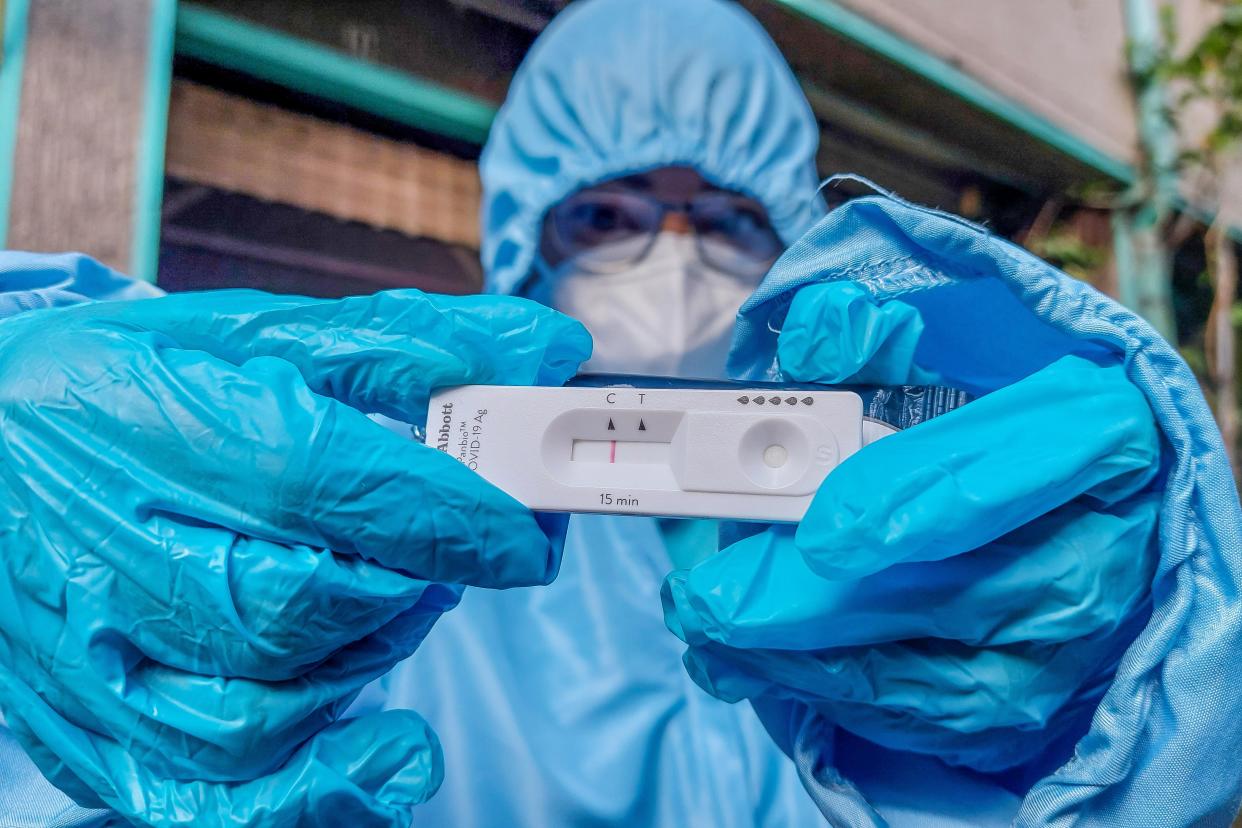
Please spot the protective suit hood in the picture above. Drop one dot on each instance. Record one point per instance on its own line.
(1164, 742)
(617, 87)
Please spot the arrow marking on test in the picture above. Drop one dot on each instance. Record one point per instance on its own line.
(611, 427)
(642, 426)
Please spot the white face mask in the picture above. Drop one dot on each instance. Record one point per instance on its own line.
(668, 315)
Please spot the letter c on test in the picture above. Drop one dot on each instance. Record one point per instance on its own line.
(611, 398)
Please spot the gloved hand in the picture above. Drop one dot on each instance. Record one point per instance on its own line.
(963, 588)
(207, 548)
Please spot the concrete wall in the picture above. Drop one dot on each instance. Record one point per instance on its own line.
(1064, 59)
(1061, 58)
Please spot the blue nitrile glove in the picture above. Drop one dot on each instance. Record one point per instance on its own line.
(207, 548)
(963, 588)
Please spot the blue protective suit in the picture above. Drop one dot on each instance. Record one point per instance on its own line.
(1161, 747)
(569, 705)
(565, 705)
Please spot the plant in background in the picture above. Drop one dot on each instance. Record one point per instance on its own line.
(1208, 77)
(1065, 248)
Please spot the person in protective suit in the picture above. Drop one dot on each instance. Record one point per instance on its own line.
(993, 617)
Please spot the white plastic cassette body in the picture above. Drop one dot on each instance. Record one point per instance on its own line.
(732, 453)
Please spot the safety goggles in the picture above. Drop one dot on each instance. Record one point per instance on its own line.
(606, 231)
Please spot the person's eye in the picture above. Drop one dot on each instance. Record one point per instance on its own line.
(739, 223)
(742, 223)
(595, 217)
(603, 217)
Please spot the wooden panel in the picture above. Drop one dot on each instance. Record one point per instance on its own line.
(78, 132)
(234, 144)
(212, 238)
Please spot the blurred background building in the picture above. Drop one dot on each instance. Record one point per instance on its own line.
(329, 148)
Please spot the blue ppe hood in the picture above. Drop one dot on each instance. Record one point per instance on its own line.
(617, 87)
(1164, 742)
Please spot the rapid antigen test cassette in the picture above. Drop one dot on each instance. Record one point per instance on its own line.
(729, 451)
